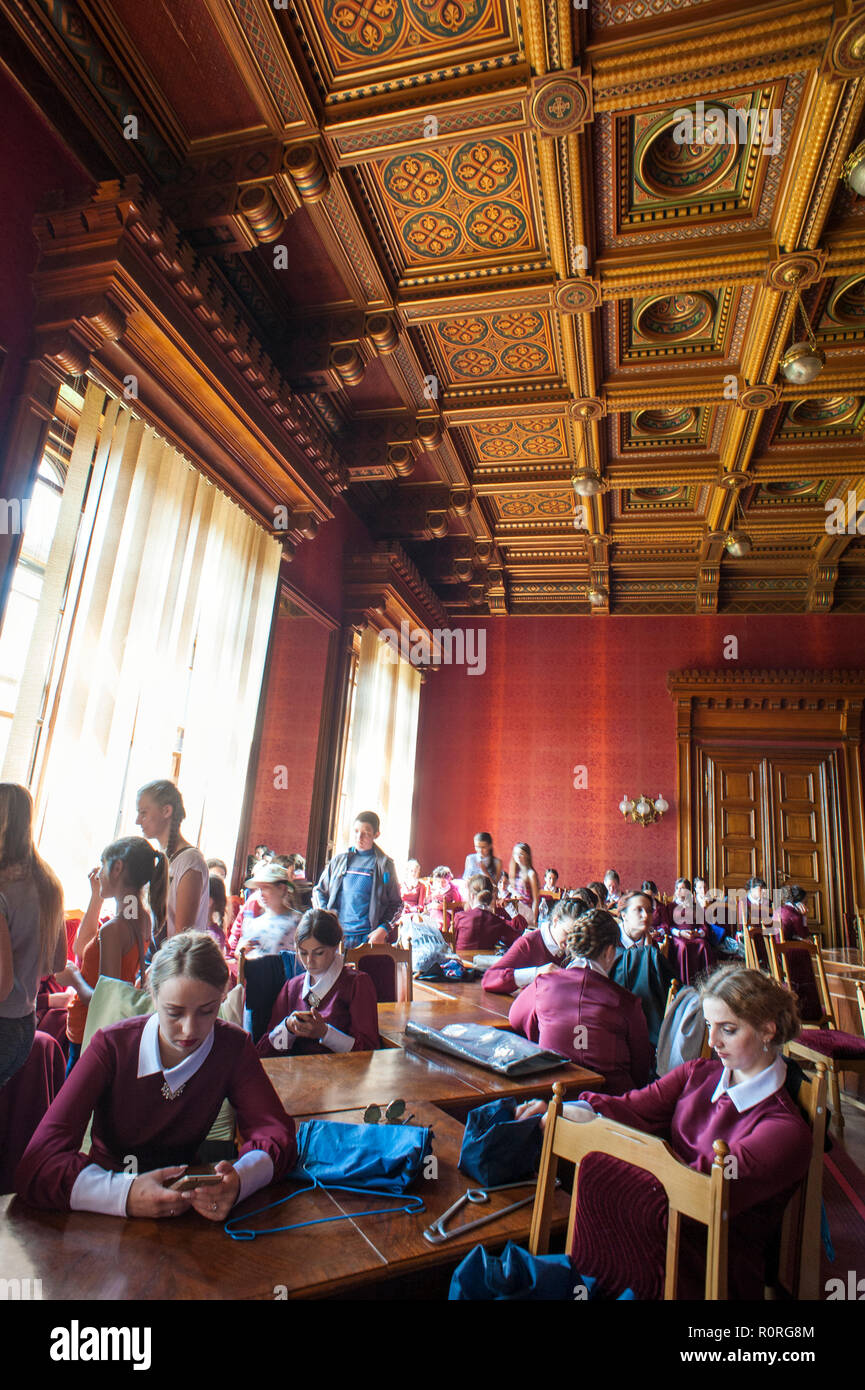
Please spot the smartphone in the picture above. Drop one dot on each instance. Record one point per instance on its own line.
(206, 1178)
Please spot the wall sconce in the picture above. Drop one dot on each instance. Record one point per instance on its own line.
(644, 811)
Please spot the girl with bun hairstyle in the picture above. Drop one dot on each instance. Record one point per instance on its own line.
(331, 1008)
(184, 904)
(536, 949)
(580, 1013)
(742, 1098)
(480, 928)
(154, 1086)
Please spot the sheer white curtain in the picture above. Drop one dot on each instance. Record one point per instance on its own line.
(379, 771)
(148, 648)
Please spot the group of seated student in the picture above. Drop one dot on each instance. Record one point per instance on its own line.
(591, 985)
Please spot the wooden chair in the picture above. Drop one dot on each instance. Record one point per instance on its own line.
(389, 968)
(671, 994)
(798, 1273)
(702, 1196)
(449, 912)
(821, 1040)
(756, 949)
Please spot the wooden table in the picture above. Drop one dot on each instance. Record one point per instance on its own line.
(432, 1013)
(465, 992)
(399, 1239)
(78, 1255)
(393, 1019)
(334, 1081)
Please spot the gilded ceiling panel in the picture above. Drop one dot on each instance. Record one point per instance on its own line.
(456, 203)
(681, 171)
(512, 346)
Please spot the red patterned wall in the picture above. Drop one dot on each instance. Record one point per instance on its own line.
(295, 686)
(497, 751)
(280, 815)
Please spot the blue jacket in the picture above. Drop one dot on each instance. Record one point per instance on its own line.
(385, 902)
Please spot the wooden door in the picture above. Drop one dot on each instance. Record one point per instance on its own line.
(734, 817)
(804, 799)
(774, 818)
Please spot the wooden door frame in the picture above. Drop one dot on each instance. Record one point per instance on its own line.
(764, 709)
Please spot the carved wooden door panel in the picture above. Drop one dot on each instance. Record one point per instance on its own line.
(776, 818)
(804, 805)
(734, 816)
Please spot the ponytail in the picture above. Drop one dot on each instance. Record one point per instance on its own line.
(165, 793)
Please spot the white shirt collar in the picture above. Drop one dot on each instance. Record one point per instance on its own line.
(149, 1060)
(746, 1094)
(547, 938)
(325, 983)
(581, 963)
(628, 941)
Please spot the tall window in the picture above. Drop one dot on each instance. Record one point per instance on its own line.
(147, 647)
(379, 766)
(39, 523)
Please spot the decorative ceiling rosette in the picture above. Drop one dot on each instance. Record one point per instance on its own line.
(759, 397)
(562, 103)
(578, 296)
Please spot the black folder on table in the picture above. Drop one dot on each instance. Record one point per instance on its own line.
(495, 1048)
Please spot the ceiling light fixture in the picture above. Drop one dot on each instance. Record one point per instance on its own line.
(598, 595)
(853, 172)
(738, 543)
(803, 361)
(587, 483)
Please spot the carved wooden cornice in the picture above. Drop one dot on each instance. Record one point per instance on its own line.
(120, 292)
(794, 680)
(383, 589)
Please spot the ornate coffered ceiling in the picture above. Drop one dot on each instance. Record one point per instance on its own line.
(491, 242)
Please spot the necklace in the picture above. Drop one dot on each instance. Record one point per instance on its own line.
(168, 1094)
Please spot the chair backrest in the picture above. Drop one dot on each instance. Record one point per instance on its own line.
(799, 964)
(704, 1197)
(262, 978)
(860, 999)
(663, 946)
(389, 968)
(449, 911)
(671, 994)
(756, 950)
(799, 1257)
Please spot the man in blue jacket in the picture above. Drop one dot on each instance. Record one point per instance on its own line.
(361, 887)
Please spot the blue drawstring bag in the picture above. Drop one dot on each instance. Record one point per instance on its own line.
(369, 1160)
(516, 1276)
(512, 1276)
(388, 1157)
(496, 1147)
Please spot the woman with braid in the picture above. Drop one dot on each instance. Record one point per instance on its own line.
(186, 906)
(579, 1012)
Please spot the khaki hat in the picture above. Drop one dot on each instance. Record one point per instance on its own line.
(269, 873)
